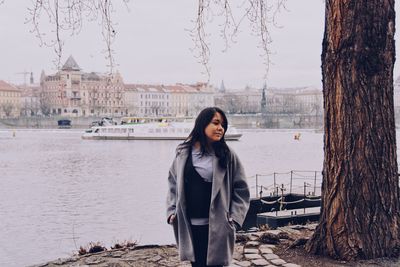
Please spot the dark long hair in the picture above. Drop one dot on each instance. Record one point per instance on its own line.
(220, 147)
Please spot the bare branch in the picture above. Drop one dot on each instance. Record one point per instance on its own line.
(69, 16)
(108, 30)
(260, 13)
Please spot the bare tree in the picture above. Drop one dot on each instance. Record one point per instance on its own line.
(7, 108)
(44, 104)
(360, 191)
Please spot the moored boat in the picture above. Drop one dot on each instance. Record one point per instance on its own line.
(149, 131)
(64, 124)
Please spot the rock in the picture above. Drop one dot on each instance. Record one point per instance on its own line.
(266, 251)
(296, 227)
(291, 265)
(252, 256)
(252, 244)
(278, 262)
(253, 238)
(155, 258)
(243, 263)
(270, 256)
(94, 260)
(117, 254)
(251, 251)
(260, 262)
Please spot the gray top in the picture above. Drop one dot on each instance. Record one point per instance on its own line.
(203, 164)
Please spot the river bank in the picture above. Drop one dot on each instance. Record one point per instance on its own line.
(267, 248)
(255, 248)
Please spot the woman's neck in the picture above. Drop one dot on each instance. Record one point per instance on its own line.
(197, 146)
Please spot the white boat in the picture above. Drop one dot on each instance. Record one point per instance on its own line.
(149, 131)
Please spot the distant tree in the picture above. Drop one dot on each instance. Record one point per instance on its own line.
(360, 191)
(7, 108)
(44, 104)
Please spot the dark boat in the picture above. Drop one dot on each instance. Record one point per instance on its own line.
(64, 124)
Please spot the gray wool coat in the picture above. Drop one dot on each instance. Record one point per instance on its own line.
(230, 198)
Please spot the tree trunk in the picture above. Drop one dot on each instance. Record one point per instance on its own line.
(360, 191)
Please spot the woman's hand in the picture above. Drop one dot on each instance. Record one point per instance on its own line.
(171, 219)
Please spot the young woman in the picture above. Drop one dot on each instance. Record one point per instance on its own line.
(208, 195)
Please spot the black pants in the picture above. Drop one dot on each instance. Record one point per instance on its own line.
(200, 244)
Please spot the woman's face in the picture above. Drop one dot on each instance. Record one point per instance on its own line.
(214, 130)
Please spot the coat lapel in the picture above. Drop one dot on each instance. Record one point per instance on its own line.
(218, 178)
(180, 179)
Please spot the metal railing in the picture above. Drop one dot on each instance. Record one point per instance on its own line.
(292, 182)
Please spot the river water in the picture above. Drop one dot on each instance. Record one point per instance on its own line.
(59, 192)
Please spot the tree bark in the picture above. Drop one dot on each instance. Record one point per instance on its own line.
(360, 190)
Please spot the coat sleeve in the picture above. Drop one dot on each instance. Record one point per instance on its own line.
(171, 194)
(240, 199)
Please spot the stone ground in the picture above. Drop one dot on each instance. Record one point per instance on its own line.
(266, 248)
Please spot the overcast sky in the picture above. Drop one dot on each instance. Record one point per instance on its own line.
(154, 46)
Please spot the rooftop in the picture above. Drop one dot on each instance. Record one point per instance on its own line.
(71, 64)
(8, 87)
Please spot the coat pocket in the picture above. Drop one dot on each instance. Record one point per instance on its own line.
(229, 222)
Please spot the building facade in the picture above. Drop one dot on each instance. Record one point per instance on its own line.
(10, 100)
(30, 100)
(72, 92)
(304, 100)
(168, 100)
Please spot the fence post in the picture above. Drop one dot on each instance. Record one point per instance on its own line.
(291, 181)
(315, 182)
(305, 190)
(256, 185)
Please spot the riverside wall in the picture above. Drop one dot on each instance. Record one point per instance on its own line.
(239, 120)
